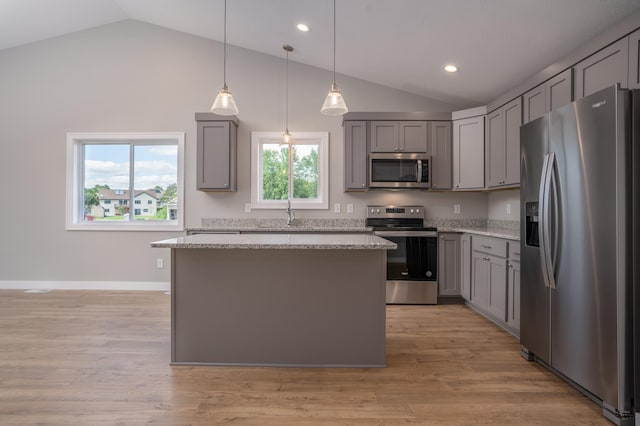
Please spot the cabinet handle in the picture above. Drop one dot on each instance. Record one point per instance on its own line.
(226, 185)
(442, 238)
(486, 258)
(458, 185)
(485, 246)
(509, 265)
(364, 184)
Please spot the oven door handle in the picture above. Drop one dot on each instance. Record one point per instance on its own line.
(427, 234)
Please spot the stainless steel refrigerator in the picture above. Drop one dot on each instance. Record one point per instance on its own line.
(579, 287)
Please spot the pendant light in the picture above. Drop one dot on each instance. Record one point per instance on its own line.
(334, 104)
(224, 103)
(286, 135)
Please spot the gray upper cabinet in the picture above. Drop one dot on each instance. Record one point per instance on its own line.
(556, 92)
(441, 152)
(559, 90)
(603, 69)
(216, 152)
(399, 136)
(534, 103)
(449, 264)
(384, 136)
(503, 144)
(634, 60)
(355, 155)
(468, 153)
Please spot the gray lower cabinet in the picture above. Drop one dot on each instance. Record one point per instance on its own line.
(465, 266)
(468, 153)
(513, 292)
(355, 156)
(603, 69)
(399, 136)
(441, 154)
(556, 92)
(216, 152)
(503, 144)
(493, 280)
(634, 60)
(449, 264)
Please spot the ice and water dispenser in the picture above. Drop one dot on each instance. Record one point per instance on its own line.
(531, 217)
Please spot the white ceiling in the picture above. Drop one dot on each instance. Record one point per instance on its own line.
(398, 43)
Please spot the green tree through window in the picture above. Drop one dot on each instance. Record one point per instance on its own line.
(276, 175)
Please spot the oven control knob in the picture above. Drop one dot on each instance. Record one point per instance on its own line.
(429, 273)
(417, 210)
(377, 210)
(411, 211)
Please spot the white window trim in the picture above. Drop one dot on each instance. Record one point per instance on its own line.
(74, 190)
(299, 138)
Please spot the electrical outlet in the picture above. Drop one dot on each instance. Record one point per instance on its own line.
(508, 208)
(336, 208)
(159, 263)
(349, 208)
(456, 209)
(247, 207)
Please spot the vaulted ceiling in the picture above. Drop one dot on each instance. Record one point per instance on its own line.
(398, 43)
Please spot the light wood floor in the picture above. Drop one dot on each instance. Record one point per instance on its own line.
(102, 358)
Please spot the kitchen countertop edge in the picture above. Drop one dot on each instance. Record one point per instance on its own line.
(507, 234)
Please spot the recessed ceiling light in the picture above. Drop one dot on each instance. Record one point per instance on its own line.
(303, 27)
(450, 68)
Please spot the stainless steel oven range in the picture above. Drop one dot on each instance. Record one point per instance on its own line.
(412, 268)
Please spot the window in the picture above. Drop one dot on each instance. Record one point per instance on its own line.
(298, 171)
(149, 202)
(118, 167)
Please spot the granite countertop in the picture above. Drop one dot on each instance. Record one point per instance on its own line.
(283, 228)
(280, 225)
(323, 241)
(509, 234)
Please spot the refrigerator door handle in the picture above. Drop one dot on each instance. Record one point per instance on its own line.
(543, 203)
(553, 239)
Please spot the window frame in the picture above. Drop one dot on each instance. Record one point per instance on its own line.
(299, 138)
(74, 217)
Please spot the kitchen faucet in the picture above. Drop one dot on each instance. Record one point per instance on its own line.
(291, 215)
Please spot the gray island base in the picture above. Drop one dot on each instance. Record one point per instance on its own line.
(278, 300)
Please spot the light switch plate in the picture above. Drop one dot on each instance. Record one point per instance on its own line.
(247, 207)
(508, 208)
(349, 208)
(456, 209)
(336, 208)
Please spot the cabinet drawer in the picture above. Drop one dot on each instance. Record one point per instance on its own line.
(514, 250)
(494, 246)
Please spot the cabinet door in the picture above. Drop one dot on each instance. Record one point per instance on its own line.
(495, 149)
(512, 120)
(534, 104)
(355, 155)
(216, 156)
(498, 287)
(513, 294)
(603, 69)
(413, 136)
(559, 90)
(480, 275)
(441, 154)
(465, 266)
(384, 136)
(634, 60)
(449, 264)
(468, 153)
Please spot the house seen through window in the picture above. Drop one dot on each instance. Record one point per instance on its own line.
(112, 172)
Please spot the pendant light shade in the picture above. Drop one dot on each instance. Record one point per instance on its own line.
(224, 103)
(286, 136)
(334, 103)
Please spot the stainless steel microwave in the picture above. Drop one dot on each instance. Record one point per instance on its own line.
(401, 171)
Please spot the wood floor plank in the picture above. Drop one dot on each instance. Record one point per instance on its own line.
(102, 358)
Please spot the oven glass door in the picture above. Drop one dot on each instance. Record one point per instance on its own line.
(394, 170)
(415, 259)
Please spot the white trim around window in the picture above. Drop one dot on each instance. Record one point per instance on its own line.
(320, 139)
(75, 214)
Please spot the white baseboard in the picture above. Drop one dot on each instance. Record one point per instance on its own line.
(86, 285)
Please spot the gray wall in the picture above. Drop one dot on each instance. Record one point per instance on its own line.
(498, 201)
(128, 77)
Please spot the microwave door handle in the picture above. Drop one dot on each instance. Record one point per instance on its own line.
(419, 177)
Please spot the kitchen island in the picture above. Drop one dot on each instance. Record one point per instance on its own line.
(278, 299)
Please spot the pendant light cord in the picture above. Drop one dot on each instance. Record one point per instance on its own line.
(334, 42)
(224, 67)
(286, 115)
